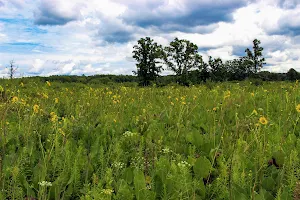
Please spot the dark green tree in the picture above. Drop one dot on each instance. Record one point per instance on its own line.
(203, 71)
(217, 69)
(148, 55)
(238, 69)
(255, 59)
(180, 57)
(292, 75)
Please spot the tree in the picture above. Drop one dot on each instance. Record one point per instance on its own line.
(217, 69)
(292, 75)
(148, 54)
(255, 58)
(12, 69)
(238, 69)
(181, 56)
(203, 71)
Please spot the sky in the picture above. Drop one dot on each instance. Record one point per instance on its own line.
(76, 37)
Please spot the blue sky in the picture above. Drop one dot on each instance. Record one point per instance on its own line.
(51, 37)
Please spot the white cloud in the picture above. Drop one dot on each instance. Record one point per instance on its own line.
(96, 37)
(37, 66)
(223, 52)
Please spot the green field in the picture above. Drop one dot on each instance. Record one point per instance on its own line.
(214, 141)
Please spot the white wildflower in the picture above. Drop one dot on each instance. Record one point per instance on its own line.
(45, 184)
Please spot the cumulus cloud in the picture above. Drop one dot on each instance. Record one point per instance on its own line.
(56, 12)
(49, 37)
(176, 13)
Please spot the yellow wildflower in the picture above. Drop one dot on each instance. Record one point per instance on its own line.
(36, 108)
(45, 96)
(148, 179)
(53, 116)
(227, 94)
(183, 103)
(298, 108)
(254, 112)
(172, 103)
(22, 84)
(48, 83)
(263, 120)
(61, 132)
(214, 109)
(15, 99)
(252, 94)
(56, 100)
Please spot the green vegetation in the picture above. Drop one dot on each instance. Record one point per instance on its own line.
(90, 141)
(182, 58)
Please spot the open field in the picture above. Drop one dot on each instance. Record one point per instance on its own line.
(216, 141)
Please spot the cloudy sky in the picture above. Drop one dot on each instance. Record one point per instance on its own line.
(49, 37)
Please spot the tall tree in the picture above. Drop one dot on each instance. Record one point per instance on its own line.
(203, 70)
(148, 55)
(255, 58)
(181, 56)
(217, 69)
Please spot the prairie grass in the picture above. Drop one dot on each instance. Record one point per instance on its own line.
(221, 141)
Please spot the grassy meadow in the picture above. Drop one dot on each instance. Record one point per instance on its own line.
(215, 141)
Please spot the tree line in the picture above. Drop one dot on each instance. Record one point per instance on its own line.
(182, 58)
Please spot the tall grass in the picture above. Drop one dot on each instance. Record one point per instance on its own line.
(223, 141)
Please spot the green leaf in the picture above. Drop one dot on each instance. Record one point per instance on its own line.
(128, 175)
(267, 195)
(139, 185)
(124, 192)
(159, 187)
(285, 195)
(202, 167)
(197, 139)
(279, 157)
(268, 183)
(239, 196)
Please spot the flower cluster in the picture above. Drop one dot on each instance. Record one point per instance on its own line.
(107, 191)
(183, 164)
(129, 134)
(118, 165)
(45, 184)
(166, 150)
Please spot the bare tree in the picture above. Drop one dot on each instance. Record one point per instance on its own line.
(12, 69)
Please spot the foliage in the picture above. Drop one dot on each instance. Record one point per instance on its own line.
(182, 56)
(213, 141)
(147, 54)
(255, 59)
